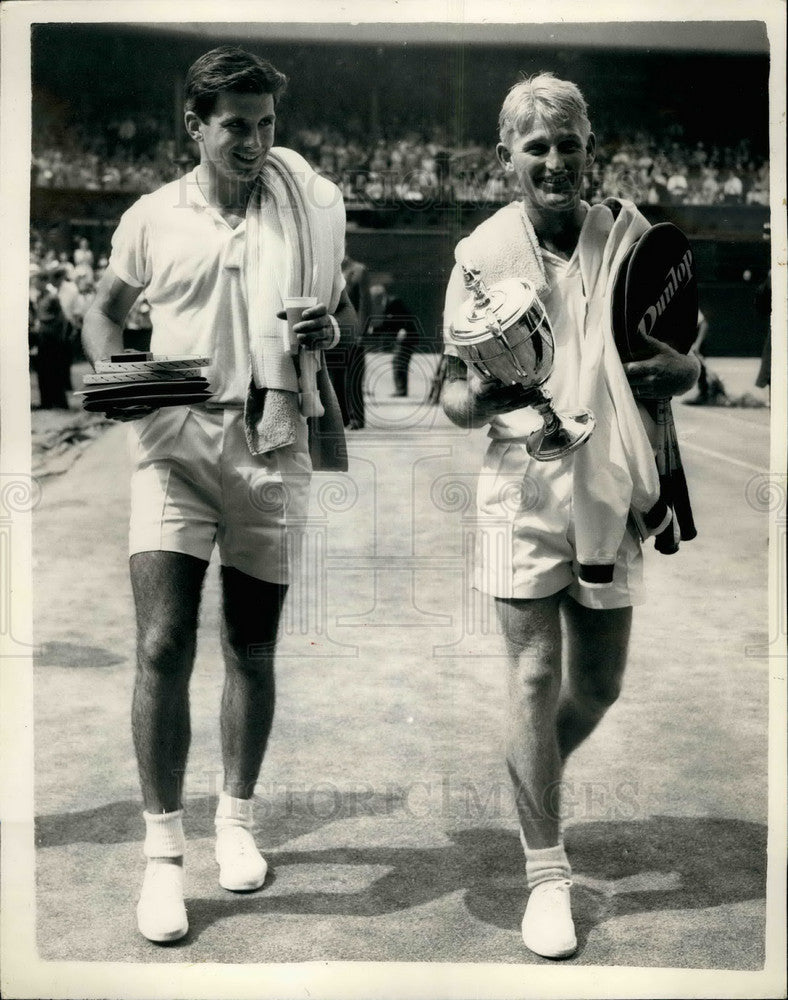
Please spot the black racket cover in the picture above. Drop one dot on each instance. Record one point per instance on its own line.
(655, 294)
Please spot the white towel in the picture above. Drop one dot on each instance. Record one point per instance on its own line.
(505, 246)
(295, 207)
(614, 471)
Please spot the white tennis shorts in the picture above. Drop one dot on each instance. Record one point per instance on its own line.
(525, 542)
(195, 484)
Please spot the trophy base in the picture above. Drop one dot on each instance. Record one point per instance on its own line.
(568, 433)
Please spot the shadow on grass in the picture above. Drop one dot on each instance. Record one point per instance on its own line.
(72, 654)
(620, 867)
(284, 817)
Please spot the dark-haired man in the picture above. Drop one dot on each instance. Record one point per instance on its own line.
(210, 474)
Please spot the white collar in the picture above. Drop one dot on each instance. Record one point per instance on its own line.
(196, 199)
(193, 192)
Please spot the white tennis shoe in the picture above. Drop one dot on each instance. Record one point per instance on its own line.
(161, 913)
(241, 866)
(548, 928)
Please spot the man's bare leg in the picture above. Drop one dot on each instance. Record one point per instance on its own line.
(249, 629)
(166, 587)
(252, 609)
(532, 631)
(597, 642)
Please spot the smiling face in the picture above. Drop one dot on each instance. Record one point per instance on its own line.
(549, 161)
(235, 139)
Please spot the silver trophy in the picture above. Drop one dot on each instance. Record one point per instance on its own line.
(503, 334)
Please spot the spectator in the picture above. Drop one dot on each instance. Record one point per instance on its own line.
(732, 189)
(763, 307)
(101, 267)
(678, 186)
(390, 316)
(53, 349)
(346, 365)
(709, 186)
(87, 292)
(711, 391)
(65, 263)
(759, 192)
(83, 255)
(68, 295)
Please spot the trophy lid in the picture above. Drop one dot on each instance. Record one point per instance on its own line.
(489, 310)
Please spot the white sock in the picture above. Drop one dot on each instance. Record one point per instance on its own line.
(546, 864)
(234, 812)
(164, 836)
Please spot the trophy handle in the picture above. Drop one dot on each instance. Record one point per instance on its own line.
(562, 433)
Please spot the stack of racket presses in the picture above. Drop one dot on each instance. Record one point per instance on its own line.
(140, 379)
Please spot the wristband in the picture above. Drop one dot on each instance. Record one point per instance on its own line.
(335, 338)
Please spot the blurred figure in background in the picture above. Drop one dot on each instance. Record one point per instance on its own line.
(711, 391)
(51, 338)
(763, 306)
(86, 293)
(391, 316)
(346, 365)
(32, 298)
(732, 189)
(65, 263)
(83, 255)
(677, 186)
(69, 295)
(357, 279)
(101, 267)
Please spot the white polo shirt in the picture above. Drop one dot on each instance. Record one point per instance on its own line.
(189, 260)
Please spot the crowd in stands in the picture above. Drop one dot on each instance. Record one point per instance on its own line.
(60, 168)
(80, 272)
(126, 153)
(417, 167)
(61, 289)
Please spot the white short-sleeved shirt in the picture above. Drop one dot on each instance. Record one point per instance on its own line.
(189, 260)
(565, 305)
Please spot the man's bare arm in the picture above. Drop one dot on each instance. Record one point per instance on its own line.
(102, 328)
